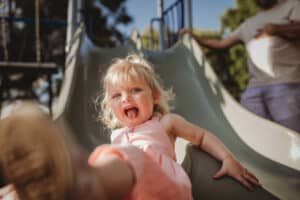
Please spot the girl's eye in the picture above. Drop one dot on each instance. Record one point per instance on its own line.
(116, 96)
(136, 90)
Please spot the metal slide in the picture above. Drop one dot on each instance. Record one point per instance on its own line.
(269, 150)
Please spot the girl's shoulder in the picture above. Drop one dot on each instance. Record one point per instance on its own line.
(169, 120)
(170, 117)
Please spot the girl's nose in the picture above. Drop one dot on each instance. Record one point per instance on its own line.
(126, 97)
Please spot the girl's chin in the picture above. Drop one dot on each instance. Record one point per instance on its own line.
(134, 123)
(129, 124)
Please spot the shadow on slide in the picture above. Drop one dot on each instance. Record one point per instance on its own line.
(202, 100)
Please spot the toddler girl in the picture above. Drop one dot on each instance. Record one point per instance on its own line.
(135, 106)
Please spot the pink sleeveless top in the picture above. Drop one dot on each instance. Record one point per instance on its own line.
(149, 151)
(152, 138)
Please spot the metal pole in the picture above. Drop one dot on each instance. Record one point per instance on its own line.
(37, 31)
(3, 31)
(78, 12)
(71, 23)
(10, 25)
(188, 23)
(160, 9)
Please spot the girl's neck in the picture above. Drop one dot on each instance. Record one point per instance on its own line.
(154, 116)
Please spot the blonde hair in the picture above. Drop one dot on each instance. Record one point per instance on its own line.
(130, 69)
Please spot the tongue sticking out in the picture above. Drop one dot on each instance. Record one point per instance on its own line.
(132, 112)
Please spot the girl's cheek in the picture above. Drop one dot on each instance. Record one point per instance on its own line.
(137, 95)
(115, 102)
(113, 107)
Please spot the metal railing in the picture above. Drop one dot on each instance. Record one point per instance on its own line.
(172, 20)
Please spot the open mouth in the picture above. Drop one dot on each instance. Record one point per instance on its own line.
(131, 112)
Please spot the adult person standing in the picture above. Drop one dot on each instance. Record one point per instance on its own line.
(272, 40)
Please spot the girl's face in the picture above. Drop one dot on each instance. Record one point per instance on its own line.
(131, 103)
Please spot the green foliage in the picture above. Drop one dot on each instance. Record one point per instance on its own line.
(112, 5)
(231, 64)
(103, 19)
(233, 17)
(150, 38)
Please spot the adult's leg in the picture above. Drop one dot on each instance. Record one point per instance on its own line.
(253, 100)
(283, 103)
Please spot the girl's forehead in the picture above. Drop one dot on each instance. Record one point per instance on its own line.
(125, 85)
(126, 75)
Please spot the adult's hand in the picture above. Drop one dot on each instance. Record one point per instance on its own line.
(270, 28)
(288, 31)
(185, 30)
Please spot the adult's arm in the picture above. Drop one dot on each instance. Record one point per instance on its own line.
(290, 31)
(214, 43)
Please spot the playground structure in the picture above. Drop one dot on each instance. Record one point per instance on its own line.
(24, 62)
(271, 151)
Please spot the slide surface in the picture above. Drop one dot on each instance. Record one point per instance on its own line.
(272, 152)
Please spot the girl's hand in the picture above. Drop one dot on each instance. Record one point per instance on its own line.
(233, 168)
(8, 193)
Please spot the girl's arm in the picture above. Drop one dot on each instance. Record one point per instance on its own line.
(177, 126)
